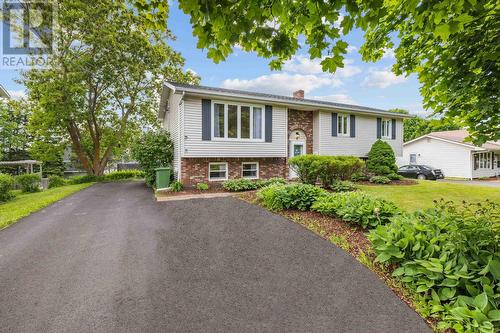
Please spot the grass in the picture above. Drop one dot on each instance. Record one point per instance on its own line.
(26, 203)
(422, 195)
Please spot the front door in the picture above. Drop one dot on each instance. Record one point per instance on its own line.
(297, 148)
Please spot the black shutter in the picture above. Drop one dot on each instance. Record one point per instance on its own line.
(394, 129)
(206, 122)
(353, 126)
(269, 123)
(379, 128)
(334, 124)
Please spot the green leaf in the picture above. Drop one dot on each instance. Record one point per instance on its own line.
(480, 301)
(495, 269)
(494, 315)
(442, 31)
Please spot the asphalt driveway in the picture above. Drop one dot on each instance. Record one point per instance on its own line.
(110, 259)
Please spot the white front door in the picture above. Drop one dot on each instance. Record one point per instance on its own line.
(297, 148)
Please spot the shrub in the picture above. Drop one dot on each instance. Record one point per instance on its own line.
(327, 169)
(343, 186)
(202, 186)
(333, 168)
(29, 182)
(292, 196)
(6, 183)
(451, 255)
(176, 186)
(56, 181)
(306, 167)
(85, 179)
(381, 159)
(380, 180)
(394, 176)
(124, 174)
(238, 185)
(357, 208)
(271, 181)
(356, 177)
(153, 150)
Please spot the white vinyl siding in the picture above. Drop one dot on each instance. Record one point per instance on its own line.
(173, 120)
(194, 146)
(454, 160)
(366, 135)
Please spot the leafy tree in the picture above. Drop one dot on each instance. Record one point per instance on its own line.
(101, 86)
(381, 159)
(452, 45)
(154, 149)
(14, 136)
(416, 127)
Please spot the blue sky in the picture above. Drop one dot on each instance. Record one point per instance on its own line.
(368, 84)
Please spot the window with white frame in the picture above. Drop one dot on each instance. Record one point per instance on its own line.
(233, 121)
(343, 125)
(413, 158)
(482, 161)
(250, 170)
(217, 171)
(386, 128)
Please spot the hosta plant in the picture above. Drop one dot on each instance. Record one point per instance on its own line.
(357, 208)
(450, 254)
(292, 196)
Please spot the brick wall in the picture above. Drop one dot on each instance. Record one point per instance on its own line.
(195, 170)
(302, 120)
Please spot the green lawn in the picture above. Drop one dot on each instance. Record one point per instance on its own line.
(26, 203)
(413, 197)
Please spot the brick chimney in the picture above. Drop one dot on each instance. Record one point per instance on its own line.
(298, 94)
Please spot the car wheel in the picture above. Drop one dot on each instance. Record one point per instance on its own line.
(421, 177)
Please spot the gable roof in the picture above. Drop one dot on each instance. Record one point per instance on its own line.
(277, 99)
(457, 137)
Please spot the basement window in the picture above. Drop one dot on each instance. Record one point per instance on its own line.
(217, 171)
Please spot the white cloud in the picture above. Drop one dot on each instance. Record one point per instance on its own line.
(302, 64)
(337, 98)
(192, 71)
(389, 54)
(283, 83)
(381, 79)
(351, 48)
(17, 94)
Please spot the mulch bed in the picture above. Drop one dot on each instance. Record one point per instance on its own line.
(393, 182)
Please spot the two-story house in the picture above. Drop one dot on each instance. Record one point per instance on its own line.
(222, 133)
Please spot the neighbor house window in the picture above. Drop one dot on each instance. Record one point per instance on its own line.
(237, 121)
(413, 158)
(250, 170)
(386, 128)
(343, 125)
(482, 161)
(217, 171)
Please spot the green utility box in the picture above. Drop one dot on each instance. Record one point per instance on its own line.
(162, 178)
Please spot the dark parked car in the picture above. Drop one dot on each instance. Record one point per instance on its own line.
(420, 172)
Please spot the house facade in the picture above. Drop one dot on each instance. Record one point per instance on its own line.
(449, 152)
(220, 134)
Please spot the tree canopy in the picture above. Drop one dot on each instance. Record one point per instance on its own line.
(452, 45)
(102, 85)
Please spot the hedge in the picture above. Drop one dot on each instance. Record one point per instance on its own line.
(327, 169)
(6, 183)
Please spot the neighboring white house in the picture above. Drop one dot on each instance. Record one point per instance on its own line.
(450, 152)
(223, 133)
